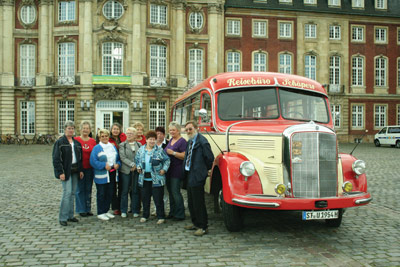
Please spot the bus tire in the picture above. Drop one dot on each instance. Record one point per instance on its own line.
(232, 215)
(398, 144)
(335, 222)
(377, 143)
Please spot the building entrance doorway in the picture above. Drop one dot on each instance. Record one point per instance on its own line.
(109, 112)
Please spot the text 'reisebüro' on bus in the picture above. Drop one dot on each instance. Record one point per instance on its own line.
(274, 145)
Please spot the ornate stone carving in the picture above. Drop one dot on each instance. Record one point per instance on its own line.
(112, 93)
(27, 41)
(158, 41)
(179, 4)
(111, 26)
(64, 92)
(159, 93)
(65, 39)
(158, 2)
(7, 2)
(27, 3)
(27, 93)
(196, 8)
(215, 8)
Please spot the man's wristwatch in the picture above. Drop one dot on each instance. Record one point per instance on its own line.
(174, 153)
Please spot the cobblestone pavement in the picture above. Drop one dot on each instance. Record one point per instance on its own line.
(30, 234)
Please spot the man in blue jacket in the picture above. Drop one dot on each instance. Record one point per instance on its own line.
(198, 160)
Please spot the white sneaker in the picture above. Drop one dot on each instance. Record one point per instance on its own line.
(123, 215)
(135, 215)
(103, 217)
(143, 220)
(110, 215)
(160, 221)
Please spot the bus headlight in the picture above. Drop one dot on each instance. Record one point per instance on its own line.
(347, 187)
(359, 167)
(280, 189)
(247, 168)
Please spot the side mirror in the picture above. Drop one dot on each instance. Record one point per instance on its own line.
(203, 115)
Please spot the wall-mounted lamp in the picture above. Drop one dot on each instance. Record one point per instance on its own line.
(85, 104)
(137, 105)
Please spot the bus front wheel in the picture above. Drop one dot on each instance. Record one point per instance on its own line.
(232, 215)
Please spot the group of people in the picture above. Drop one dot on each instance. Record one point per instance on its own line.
(134, 165)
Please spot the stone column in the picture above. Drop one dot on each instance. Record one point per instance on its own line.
(50, 39)
(43, 58)
(7, 25)
(179, 59)
(1, 42)
(213, 33)
(137, 40)
(86, 50)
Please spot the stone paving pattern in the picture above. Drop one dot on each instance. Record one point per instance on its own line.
(30, 234)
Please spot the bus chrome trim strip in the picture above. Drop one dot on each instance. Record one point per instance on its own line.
(363, 201)
(256, 204)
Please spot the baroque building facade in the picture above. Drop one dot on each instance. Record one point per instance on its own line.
(102, 60)
(127, 60)
(352, 47)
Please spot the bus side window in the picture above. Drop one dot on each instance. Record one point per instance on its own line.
(206, 104)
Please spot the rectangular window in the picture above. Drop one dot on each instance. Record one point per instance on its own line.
(357, 116)
(158, 14)
(66, 11)
(260, 62)
(380, 71)
(334, 2)
(27, 117)
(380, 4)
(285, 30)
(357, 71)
(233, 61)
(157, 113)
(380, 35)
(334, 32)
(285, 1)
(310, 31)
(334, 74)
(233, 27)
(285, 63)
(158, 61)
(259, 28)
(336, 115)
(358, 3)
(398, 36)
(310, 67)
(398, 73)
(380, 116)
(112, 58)
(195, 65)
(310, 2)
(66, 110)
(66, 63)
(357, 33)
(398, 114)
(27, 65)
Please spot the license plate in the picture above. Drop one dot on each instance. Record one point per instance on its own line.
(321, 214)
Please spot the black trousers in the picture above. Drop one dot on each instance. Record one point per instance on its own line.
(117, 189)
(197, 206)
(158, 196)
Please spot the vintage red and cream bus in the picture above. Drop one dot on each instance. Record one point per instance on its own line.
(275, 146)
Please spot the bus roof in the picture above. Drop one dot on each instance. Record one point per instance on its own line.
(245, 79)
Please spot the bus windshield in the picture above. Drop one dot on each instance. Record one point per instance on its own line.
(262, 103)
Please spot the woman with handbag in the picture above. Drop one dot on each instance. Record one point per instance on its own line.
(152, 163)
(129, 175)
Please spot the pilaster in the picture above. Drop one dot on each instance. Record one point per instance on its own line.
(7, 25)
(137, 40)
(86, 53)
(45, 112)
(179, 34)
(212, 62)
(43, 58)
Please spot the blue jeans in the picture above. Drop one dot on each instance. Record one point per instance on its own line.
(83, 195)
(67, 200)
(176, 204)
(126, 182)
(104, 195)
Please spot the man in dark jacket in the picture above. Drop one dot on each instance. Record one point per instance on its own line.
(198, 160)
(67, 163)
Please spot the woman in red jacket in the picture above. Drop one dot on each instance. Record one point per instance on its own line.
(83, 195)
